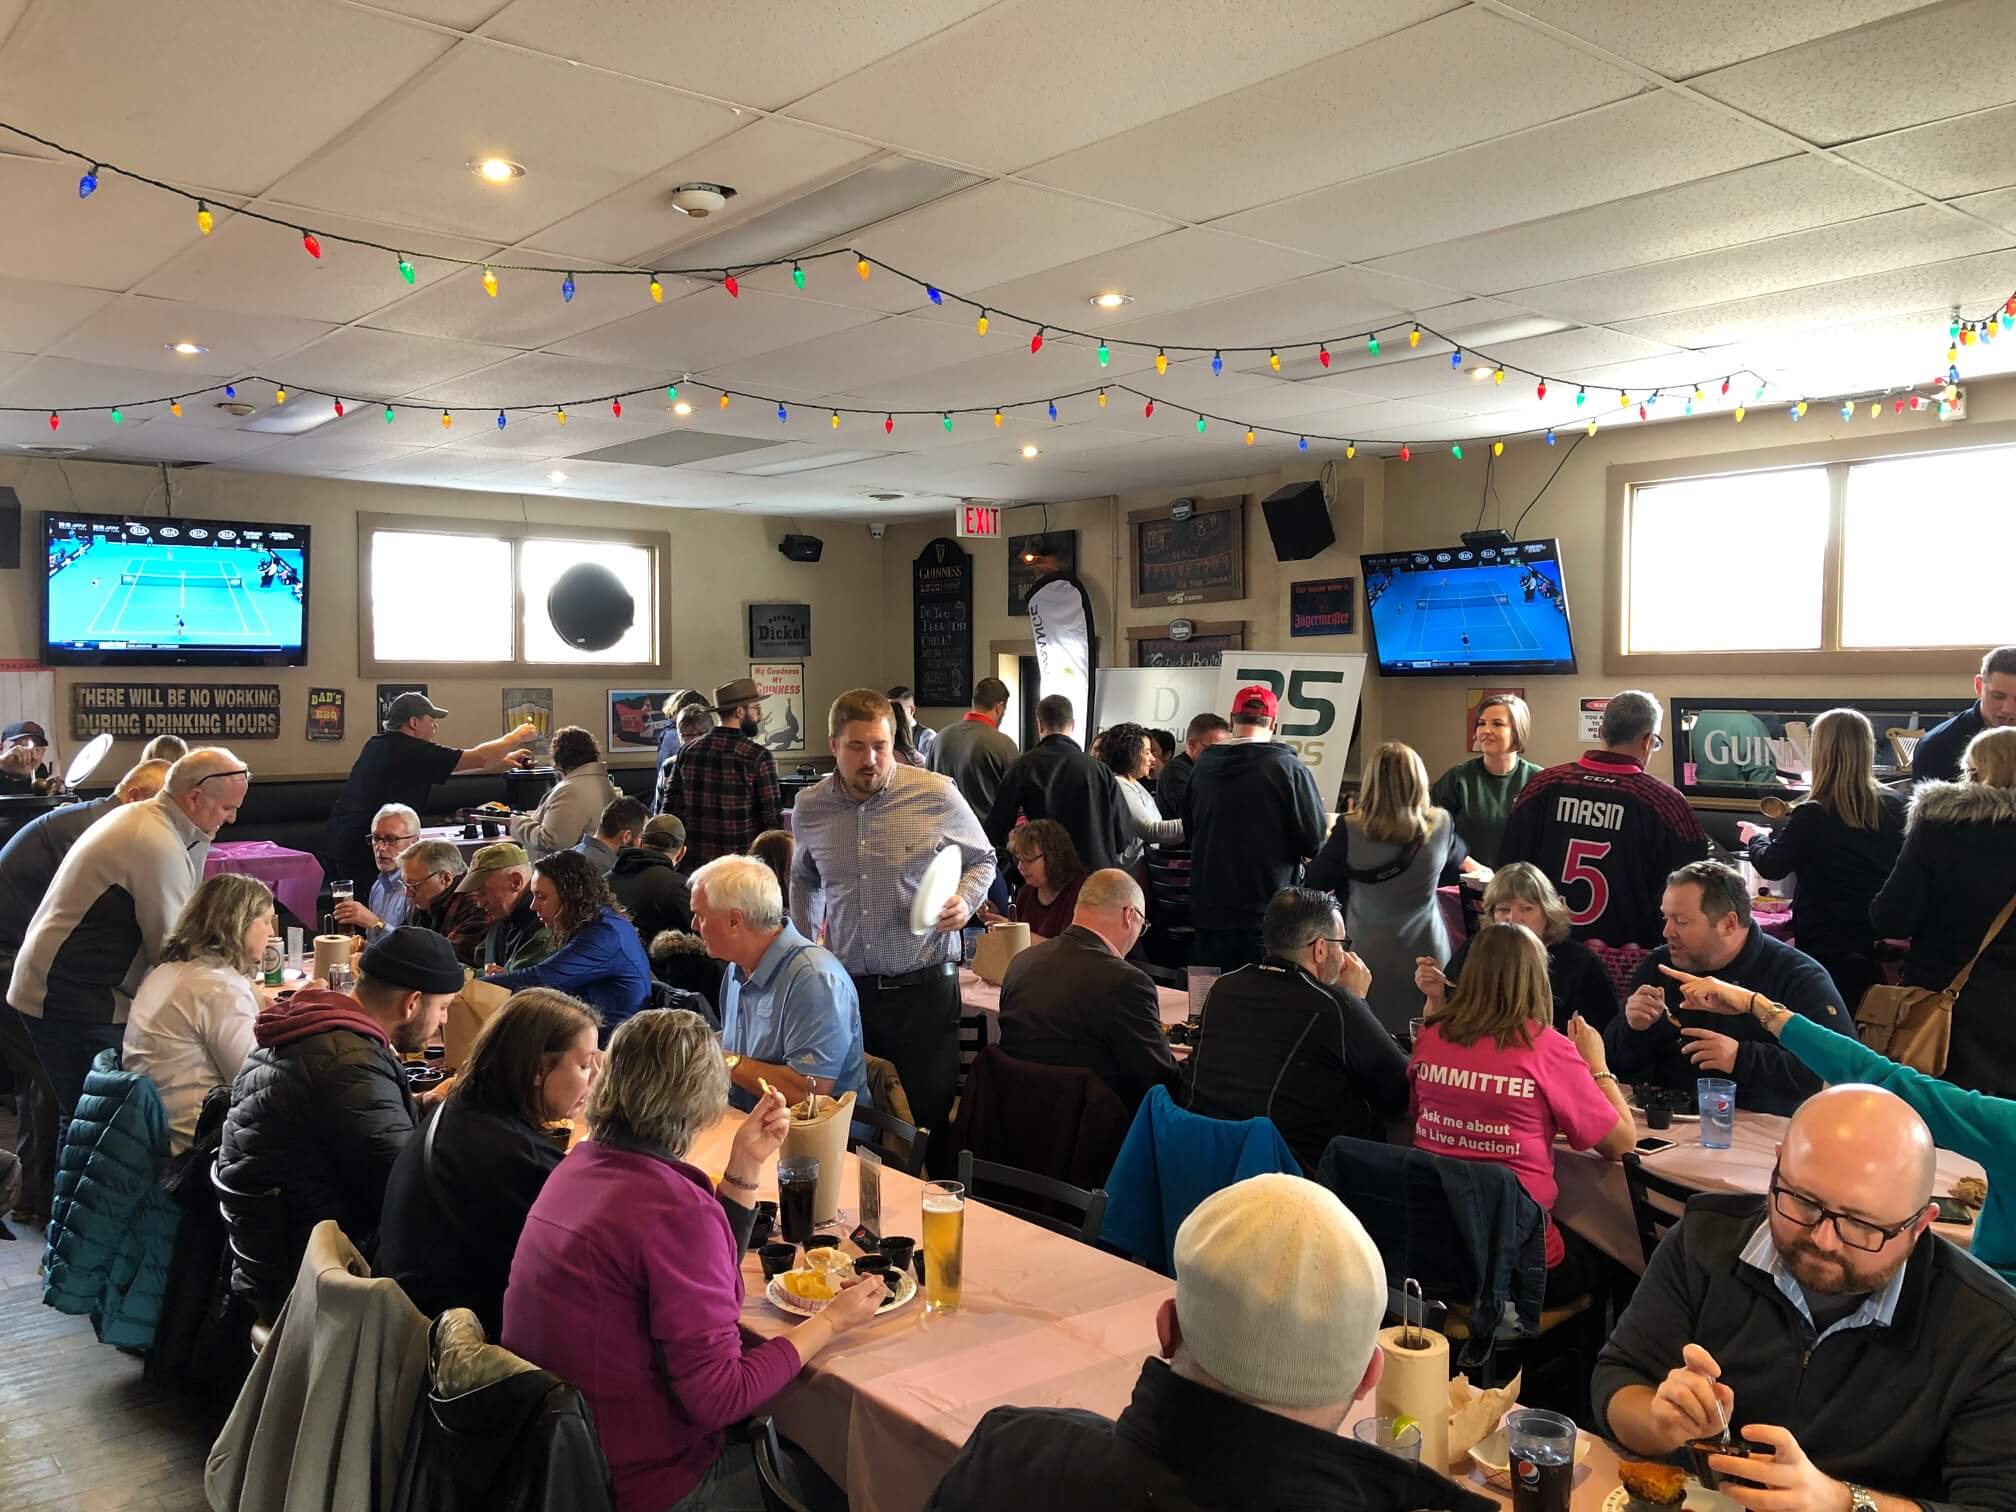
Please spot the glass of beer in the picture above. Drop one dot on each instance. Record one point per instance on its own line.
(944, 1244)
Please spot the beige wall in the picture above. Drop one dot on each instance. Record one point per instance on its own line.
(719, 562)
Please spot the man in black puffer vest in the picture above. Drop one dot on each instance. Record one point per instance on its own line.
(321, 1108)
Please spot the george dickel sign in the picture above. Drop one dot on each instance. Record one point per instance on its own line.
(780, 631)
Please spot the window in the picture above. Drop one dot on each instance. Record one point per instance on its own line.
(1874, 562)
(443, 594)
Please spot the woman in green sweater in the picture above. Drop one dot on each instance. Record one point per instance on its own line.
(1973, 1124)
(1479, 793)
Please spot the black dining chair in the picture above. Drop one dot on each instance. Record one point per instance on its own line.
(1051, 1198)
(900, 1144)
(1657, 1202)
(769, 1455)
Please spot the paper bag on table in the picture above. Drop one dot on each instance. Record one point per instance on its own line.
(468, 1011)
(822, 1134)
(998, 946)
(1474, 1414)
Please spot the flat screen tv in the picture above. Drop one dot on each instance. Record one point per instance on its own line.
(174, 592)
(1448, 611)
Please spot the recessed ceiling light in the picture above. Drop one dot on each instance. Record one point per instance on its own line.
(1030, 450)
(496, 170)
(184, 348)
(1478, 372)
(682, 408)
(556, 477)
(1111, 301)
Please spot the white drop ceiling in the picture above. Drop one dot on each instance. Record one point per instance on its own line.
(1638, 194)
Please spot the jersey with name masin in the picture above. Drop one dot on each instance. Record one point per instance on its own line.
(1607, 834)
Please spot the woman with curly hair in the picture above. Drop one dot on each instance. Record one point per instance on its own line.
(573, 804)
(1051, 876)
(1127, 748)
(598, 956)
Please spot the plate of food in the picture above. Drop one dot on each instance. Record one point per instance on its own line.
(1658, 1487)
(806, 1291)
(1494, 1461)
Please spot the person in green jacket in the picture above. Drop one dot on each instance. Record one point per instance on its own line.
(1479, 793)
(1974, 1124)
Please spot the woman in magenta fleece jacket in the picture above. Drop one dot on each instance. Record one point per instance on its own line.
(627, 1280)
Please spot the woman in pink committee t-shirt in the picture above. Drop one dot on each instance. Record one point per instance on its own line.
(1495, 1080)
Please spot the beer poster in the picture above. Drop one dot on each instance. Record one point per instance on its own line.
(782, 685)
(536, 705)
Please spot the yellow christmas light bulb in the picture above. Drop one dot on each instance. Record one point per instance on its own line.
(657, 290)
(1350, 450)
(981, 324)
(1274, 361)
(175, 409)
(861, 267)
(446, 419)
(560, 414)
(1161, 362)
(1592, 427)
(1414, 337)
(1498, 376)
(205, 221)
(1497, 448)
(1875, 411)
(997, 419)
(279, 396)
(724, 401)
(1102, 398)
(490, 283)
(1249, 435)
(1802, 406)
(836, 419)
(1739, 414)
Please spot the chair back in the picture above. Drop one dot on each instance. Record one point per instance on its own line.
(1657, 1202)
(900, 1144)
(1171, 939)
(665, 995)
(1057, 1121)
(769, 1456)
(1055, 1205)
(255, 1231)
(976, 1032)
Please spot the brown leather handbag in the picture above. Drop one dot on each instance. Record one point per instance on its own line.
(1914, 1025)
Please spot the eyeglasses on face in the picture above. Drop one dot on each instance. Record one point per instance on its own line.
(412, 886)
(393, 839)
(1856, 1233)
(245, 772)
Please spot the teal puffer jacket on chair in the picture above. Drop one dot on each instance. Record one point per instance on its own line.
(112, 1226)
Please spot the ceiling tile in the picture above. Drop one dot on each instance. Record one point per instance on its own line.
(1901, 238)
(891, 348)
(170, 440)
(105, 242)
(1321, 305)
(1748, 205)
(34, 314)
(136, 332)
(356, 440)
(1334, 120)
(1949, 157)
(387, 364)
(59, 382)
(711, 329)
(1998, 207)
(1681, 38)
(542, 378)
(594, 135)
(253, 88)
(463, 15)
(1632, 147)
(1030, 79)
(1897, 73)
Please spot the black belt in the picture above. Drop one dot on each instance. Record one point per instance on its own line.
(907, 978)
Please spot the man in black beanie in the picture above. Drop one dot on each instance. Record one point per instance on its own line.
(321, 1108)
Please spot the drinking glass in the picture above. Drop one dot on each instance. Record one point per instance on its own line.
(797, 1185)
(1378, 1432)
(1716, 1098)
(944, 1244)
(1541, 1447)
(341, 891)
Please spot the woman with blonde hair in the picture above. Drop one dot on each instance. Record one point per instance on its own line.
(1479, 793)
(1952, 879)
(1843, 841)
(191, 1024)
(1384, 860)
(1490, 1058)
(1521, 894)
(627, 1280)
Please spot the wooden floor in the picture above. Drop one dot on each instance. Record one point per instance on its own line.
(79, 1430)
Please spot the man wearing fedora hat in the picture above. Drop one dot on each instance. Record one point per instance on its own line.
(724, 785)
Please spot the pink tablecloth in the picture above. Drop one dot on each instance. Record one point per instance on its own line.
(1595, 1202)
(985, 997)
(295, 876)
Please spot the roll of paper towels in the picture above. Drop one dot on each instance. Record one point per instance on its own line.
(1416, 1383)
(330, 950)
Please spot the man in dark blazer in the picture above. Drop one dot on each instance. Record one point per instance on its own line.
(1057, 780)
(1076, 1000)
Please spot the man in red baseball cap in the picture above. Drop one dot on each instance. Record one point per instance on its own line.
(1253, 816)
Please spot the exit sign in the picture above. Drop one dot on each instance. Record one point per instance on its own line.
(979, 522)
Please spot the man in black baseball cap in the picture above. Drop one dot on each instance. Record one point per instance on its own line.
(23, 745)
(321, 1108)
(401, 764)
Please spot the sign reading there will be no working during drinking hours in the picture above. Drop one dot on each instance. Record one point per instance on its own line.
(204, 711)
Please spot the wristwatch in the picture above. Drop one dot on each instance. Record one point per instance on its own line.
(1859, 1499)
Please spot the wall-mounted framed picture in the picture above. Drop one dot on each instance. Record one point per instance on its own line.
(1200, 559)
(1204, 646)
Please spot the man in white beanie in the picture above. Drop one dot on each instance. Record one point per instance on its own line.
(1270, 1338)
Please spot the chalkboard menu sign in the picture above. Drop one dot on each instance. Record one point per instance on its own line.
(1322, 607)
(1198, 560)
(1054, 550)
(1205, 646)
(941, 624)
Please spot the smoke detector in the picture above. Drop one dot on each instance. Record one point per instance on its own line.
(237, 407)
(701, 200)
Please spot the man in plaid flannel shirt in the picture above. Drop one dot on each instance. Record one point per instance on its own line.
(724, 785)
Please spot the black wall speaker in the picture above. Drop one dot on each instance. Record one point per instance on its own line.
(589, 607)
(801, 548)
(1298, 521)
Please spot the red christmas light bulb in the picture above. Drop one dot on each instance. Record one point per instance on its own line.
(1540, 389)
(339, 409)
(53, 420)
(1148, 410)
(1406, 454)
(616, 408)
(888, 425)
(310, 245)
(734, 289)
(1323, 355)
(1900, 407)
(1036, 342)
(1725, 385)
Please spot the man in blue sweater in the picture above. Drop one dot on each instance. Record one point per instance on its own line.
(1709, 932)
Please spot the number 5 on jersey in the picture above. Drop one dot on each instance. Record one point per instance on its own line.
(1580, 866)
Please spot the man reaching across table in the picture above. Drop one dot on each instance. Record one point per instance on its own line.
(1849, 1348)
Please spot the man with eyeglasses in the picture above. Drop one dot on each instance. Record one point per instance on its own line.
(393, 828)
(109, 910)
(1076, 1000)
(430, 874)
(1292, 1039)
(1864, 1362)
(1607, 832)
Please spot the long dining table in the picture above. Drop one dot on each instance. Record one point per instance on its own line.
(982, 996)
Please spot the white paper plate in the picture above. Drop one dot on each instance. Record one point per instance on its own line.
(85, 762)
(935, 889)
(785, 1302)
(1699, 1499)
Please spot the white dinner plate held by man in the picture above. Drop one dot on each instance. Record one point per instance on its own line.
(935, 889)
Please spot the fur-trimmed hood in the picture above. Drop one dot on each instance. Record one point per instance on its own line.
(1961, 803)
